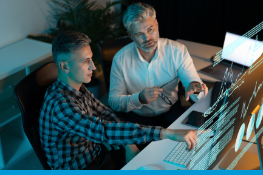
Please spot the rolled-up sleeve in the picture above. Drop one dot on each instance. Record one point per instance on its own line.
(187, 72)
(119, 99)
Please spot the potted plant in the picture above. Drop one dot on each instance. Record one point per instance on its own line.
(97, 22)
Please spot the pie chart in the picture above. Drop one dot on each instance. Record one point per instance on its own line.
(240, 135)
(250, 126)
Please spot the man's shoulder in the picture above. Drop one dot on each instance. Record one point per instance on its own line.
(55, 95)
(170, 44)
(126, 50)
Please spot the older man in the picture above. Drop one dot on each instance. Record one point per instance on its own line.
(73, 125)
(145, 74)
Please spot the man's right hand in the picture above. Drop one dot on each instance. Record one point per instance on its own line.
(188, 136)
(149, 94)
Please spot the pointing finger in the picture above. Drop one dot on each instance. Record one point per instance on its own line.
(188, 144)
(192, 140)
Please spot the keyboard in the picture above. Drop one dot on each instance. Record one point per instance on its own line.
(219, 72)
(179, 156)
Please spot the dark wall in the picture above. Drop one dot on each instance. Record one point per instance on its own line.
(206, 21)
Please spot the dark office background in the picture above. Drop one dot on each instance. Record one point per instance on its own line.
(206, 21)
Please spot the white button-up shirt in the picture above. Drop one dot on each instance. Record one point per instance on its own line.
(131, 73)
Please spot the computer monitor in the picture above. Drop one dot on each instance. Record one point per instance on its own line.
(259, 134)
(235, 119)
(246, 53)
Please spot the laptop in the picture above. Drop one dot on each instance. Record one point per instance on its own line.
(234, 65)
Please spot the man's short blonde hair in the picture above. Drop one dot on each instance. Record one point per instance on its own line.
(65, 45)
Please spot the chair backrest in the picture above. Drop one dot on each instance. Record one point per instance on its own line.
(107, 50)
(29, 94)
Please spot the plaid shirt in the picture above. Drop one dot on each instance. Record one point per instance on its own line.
(73, 124)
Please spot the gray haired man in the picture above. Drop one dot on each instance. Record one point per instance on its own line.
(145, 74)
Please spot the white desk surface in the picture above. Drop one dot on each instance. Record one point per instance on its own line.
(22, 54)
(156, 152)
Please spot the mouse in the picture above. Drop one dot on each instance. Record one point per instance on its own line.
(148, 167)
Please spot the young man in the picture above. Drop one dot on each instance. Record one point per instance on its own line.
(73, 124)
(145, 74)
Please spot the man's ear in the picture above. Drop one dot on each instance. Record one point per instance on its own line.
(156, 23)
(63, 66)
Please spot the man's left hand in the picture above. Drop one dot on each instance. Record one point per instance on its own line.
(195, 87)
(131, 152)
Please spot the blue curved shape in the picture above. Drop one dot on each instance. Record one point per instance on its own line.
(259, 118)
(250, 126)
(240, 137)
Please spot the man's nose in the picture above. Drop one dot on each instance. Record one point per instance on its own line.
(146, 37)
(92, 66)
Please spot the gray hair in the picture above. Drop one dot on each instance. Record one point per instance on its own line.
(65, 44)
(136, 13)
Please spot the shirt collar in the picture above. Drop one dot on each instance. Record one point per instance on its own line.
(70, 90)
(155, 57)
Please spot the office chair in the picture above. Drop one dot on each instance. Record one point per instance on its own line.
(29, 94)
(107, 50)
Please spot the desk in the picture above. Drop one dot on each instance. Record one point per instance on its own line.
(156, 152)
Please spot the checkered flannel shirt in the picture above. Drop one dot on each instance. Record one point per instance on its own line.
(73, 124)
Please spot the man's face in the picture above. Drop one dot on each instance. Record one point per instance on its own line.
(145, 34)
(81, 70)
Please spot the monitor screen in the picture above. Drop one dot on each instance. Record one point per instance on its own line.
(237, 117)
(243, 54)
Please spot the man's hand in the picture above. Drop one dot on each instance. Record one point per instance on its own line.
(131, 152)
(188, 136)
(149, 94)
(195, 87)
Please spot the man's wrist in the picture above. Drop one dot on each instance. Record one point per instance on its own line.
(164, 134)
(134, 98)
(140, 99)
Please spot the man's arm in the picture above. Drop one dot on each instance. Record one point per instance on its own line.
(188, 74)
(104, 112)
(68, 117)
(119, 99)
(107, 114)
